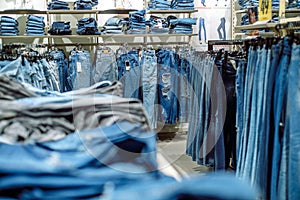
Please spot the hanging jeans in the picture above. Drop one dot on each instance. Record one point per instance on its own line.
(105, 67)
(149, 81)
(80, 70)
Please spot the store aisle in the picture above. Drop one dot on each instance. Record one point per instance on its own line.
(172, 159)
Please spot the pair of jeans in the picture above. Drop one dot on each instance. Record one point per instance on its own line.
(87, 26)
(149, 83)
(105, 66)
(129, 72)
(167, 73)
(58, 5)
(60, 28)
(279, 187)
(62, 65)
(158, 22)
(114, 26)
(137, 22)
(182, 4)
(202, 26)
(222, 27)
(292, 134)
(80, 70)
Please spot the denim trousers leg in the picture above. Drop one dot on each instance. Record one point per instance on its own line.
(149, 80)
(279, 93)
(294, 127)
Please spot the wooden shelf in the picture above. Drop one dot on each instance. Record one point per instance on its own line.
(257, 26)
(170, 11)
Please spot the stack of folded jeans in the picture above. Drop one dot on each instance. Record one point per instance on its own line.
(137, 22)
(182, 25)
(248, 3)
(159, 5)
(292, 3)
(35, 25)
(158, 25)
(85, 4)
(87, 26)
(60, 28)
(58, 5)
(8, 26)
(183, 4)
(115, 25)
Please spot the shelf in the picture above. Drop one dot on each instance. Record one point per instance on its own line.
(257, 26)
(95, 36)
(116, 11)
(22, 12)
(74, 12)
(273, 11)
(170, 11)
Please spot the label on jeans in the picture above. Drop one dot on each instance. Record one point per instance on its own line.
(127, 64)
(79, 68)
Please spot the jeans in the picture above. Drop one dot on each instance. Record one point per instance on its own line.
(149, 82)
(293, 136)
(9, 20)
(166, 91)
(8, 26)
(222, 26)
(87, 26)
(159, 5)
(81, 5)
(106, 66)
(58, 5)
(202, 26)
(60, 28)
(129, 71)
(80, 70)
(62, 66)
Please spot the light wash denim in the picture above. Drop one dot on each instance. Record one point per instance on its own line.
(105, 67)
(202, 26)
(149, 83)
(80, 70)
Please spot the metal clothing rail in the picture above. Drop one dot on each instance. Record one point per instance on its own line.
(212, 43)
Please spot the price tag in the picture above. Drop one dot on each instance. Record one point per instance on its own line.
(79, 68)
(127, 64)
(105, 51)
(265, 10)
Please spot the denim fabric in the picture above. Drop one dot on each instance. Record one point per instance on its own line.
(293, 136)
(8, 26)
(35, 25)
(212, 186)
(182, 25)
(80, 70)
(60, 28)
(106, 67)
(182, 4)
(222, 26)
(167, 73)
(62, 65)
(127, 150)
(159, 5)
(85, 4)
(58, 5)
(129, 71)
(137, 22)
(149, 82)
(87, 26)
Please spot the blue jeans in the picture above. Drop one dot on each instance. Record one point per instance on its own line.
(10, 20)
(202, 26)
(279, 96)
(106, 66)
(130, 72)
(149, 81)
(293, 136)
(80, 70)
(62, 65)
(222, 26)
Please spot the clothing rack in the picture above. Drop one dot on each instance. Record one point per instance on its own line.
(212, 43)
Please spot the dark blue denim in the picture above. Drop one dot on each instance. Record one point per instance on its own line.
(159, 5)
(87, 26)
(58, 5)
(60, 28)
(137, 22)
